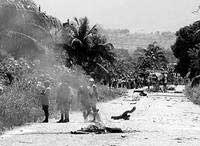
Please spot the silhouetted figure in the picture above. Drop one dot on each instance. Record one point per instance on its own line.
(148, 82)
(39, 8)
(44, 98)
(164, 82)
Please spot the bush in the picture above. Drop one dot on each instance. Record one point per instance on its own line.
(193, 94)
(18, 106)
(19, 102)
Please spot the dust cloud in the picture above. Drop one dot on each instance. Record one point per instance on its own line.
(25, 32)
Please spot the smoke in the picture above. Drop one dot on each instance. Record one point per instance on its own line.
(28, 33)
(24, 32)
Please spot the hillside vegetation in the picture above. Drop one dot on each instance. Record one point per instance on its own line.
(123, 39)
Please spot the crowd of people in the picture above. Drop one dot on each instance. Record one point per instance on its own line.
(154, 80)
(87, 98)
(87, 94)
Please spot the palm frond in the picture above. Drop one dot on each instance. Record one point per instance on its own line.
(83, 27)
(72, 28)
(92, 30)
(196, 36)
(103, 68)
(77, 21)
(76, 41)
(193, 52)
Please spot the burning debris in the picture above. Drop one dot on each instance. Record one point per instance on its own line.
(97, 129)
(125, 115)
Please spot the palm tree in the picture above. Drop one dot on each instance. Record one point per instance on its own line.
(88, 48)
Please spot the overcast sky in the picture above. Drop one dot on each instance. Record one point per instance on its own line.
(135, 15)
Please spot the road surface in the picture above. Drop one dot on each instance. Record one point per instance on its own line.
(159, 119)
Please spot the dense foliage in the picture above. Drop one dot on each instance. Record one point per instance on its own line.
(124, 67)
(88, 47)
(186, 50)
(151, 58)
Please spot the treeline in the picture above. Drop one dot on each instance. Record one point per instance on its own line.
(123, 39)
(187, 51)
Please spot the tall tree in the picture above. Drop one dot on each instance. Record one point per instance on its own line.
(186, 50)
(152, 58)
(88, 47)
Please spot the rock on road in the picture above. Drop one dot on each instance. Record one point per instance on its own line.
(159, 119)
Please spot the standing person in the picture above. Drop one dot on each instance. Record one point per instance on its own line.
(63, 100)
(88, 97)
(44, 98)
(83, 98)
(149, 82)
(155, 82)
(164, 82)
(93, 97)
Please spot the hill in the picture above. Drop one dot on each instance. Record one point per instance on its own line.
(123, 39)
(24, 29)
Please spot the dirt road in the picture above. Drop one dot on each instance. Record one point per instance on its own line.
(160, 119)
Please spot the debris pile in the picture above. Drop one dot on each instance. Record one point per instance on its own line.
(97, 129)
